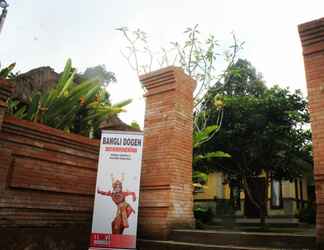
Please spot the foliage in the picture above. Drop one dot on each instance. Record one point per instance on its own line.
(308, 214)
(102, 77)
(98, 73)
(198, 57)
(135, 125)
(203, 215)
(242, 79)
(264, 131)
(200, 137)
(14, 109)
(6, 72)
(198, 54)
(209, 156)
(199, 177)
(68, 106)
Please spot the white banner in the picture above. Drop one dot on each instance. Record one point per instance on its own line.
(115, 212)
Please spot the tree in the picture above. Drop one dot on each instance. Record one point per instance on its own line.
(263, 130)
(242, 79)
(99, 73)
(198, 55)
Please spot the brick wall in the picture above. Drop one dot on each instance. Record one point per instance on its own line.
(47, 182)
(312, 38)
(166, 188)
(47, 177)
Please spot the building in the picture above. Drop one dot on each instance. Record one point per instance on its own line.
(285, 198)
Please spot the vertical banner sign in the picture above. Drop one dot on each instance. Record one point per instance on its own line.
(115, 212)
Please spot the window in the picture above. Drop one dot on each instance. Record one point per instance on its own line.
(276, 194)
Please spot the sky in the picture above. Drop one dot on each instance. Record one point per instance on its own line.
(46, 33)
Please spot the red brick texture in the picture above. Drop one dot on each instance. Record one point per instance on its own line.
(312, 39)
(3, 108)
(47, 177)
(6, 89)
(166, 199)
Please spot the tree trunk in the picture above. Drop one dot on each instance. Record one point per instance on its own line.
(261, 207)
(249, 193)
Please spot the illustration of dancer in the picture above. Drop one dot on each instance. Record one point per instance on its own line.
(124, 210)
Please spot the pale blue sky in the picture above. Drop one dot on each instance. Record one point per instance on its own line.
(44, 32)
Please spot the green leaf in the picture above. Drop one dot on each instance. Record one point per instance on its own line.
(66, 74)
(33, 108)
(199, 177)
(21, 113)
(210, 155)
(203, 135)
(66, 84)
(4, 73)
(122, 103)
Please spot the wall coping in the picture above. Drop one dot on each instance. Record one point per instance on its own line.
(310, 25)
(165, 79)
(44, 129)
(154, 73)
(312, 36)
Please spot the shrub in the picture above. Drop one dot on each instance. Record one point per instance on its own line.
(203, 214)
(78, 108)
(307, 215)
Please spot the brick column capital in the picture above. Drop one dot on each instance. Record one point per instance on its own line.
(312, 36)
(166, 79)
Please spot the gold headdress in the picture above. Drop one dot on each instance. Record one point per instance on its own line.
(116, 181)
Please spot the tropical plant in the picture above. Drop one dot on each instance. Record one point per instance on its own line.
(200, 178)
(7, 71)
(68, 106)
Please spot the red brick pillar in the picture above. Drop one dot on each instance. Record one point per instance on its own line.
(166, 199)
(312, 38)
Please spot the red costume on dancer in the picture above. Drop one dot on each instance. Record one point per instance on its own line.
(124, 210)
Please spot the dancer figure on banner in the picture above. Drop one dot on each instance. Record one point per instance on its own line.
(124, 210)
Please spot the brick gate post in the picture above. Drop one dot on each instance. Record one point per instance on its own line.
(312, 39)
(166, 199)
